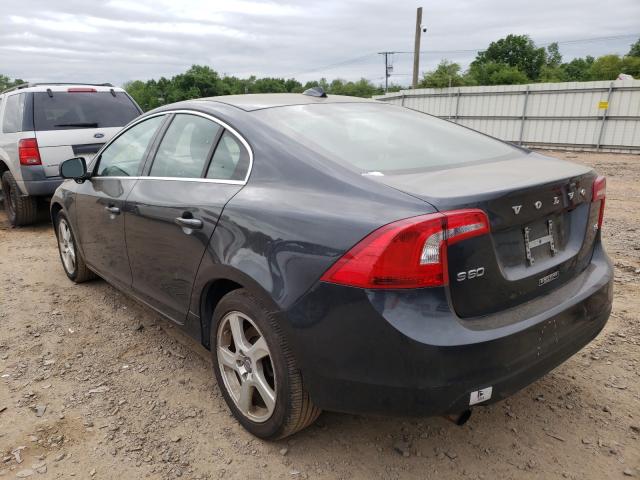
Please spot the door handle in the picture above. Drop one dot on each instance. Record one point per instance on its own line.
(192, 223)
(113, 210)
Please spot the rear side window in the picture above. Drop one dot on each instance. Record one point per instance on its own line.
(68, 110)
(13, 113)
(122, 158)
(185, 148)
(230, 160)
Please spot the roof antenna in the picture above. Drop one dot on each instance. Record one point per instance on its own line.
(315, 92)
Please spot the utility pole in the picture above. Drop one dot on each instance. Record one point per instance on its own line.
(387, 69)
(416, 48)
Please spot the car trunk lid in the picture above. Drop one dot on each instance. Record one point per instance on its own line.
(542, 227)
(76, 121)
(57, 146)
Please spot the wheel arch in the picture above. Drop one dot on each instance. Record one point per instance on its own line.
(3, 167)
(55, 208)
(225, 280)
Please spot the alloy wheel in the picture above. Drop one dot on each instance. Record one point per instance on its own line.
(244, 360)
(67, 249)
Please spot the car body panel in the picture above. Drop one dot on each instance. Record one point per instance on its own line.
(164, 256)
(57, 146)
(415, 351)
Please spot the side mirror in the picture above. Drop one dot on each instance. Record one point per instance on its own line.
(75, 168)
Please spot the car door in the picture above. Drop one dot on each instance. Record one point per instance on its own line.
(101, 200)
(198, 166)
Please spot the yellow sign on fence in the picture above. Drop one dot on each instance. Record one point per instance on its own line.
(603, 105)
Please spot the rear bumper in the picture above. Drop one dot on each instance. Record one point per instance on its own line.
(407, 353)
(35, 183)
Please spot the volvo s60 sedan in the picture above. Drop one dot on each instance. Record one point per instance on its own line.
(343, 254)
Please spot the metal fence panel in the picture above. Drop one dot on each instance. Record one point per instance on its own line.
(582, 115)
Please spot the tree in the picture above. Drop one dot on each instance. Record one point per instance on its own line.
(607, 67)
(635, 49)
(492, 73)
(578, 69)
(6, 82)
(516, 51)
(554, 57)
(446, 74)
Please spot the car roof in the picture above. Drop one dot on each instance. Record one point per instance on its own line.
(258, 101)
(61, 87)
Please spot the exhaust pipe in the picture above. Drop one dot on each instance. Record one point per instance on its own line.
(459, 418)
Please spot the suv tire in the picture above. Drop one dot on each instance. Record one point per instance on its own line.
(293, 409)
(21, 210)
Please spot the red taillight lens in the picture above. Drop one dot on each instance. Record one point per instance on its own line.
(409, 253)
(28, 152)
(600, 194)
(81, 90)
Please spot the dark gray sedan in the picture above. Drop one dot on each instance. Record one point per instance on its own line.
(343, 254)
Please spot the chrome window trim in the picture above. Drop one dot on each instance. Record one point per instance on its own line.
(224, 125)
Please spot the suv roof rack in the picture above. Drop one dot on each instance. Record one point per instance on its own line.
(40, 84)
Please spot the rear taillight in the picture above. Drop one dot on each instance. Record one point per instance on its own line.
(409, 253)
(28, 152)
(600, 194)
(81, 90)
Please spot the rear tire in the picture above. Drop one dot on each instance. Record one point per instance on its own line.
(71, 258)
(20, 210)
(293, 409)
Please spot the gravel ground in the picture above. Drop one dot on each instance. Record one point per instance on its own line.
(92, 385)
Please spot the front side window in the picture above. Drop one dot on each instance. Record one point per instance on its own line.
(230, 160)
(185, 148)
(123, 157)
(13, 111)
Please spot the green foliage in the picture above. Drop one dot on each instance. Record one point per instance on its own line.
(517, 51)
(606, 67)
(635, 49)
(446, 74)
(578, 69)
(554, 58)
(202, 81)
(6, 82)
(493, 73)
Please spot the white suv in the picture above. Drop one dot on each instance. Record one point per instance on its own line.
(42, 125)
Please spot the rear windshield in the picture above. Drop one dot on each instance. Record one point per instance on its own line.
(375, 137)
(64, 110)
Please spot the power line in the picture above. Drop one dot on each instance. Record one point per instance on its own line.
(368, 56)
(546, 44)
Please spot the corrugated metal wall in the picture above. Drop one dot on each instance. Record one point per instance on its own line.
(576, 115)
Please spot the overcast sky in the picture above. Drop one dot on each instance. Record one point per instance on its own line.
(119, 40)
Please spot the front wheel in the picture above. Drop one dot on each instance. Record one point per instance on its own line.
(256, 371)
(72, 259)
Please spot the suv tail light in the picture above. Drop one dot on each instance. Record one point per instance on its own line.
(409, 253)
(28, 152)
(81, 90)
(600, 193)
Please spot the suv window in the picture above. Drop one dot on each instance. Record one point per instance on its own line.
(123, 157)
(13, 112)
(185, 148)
(66, 110)
(230, 161)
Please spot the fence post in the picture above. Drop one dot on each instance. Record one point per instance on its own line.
(402, 99)
(455, 118)
(604, 117)
(524, 114)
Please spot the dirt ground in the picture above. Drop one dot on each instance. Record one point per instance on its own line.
(92, 385)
